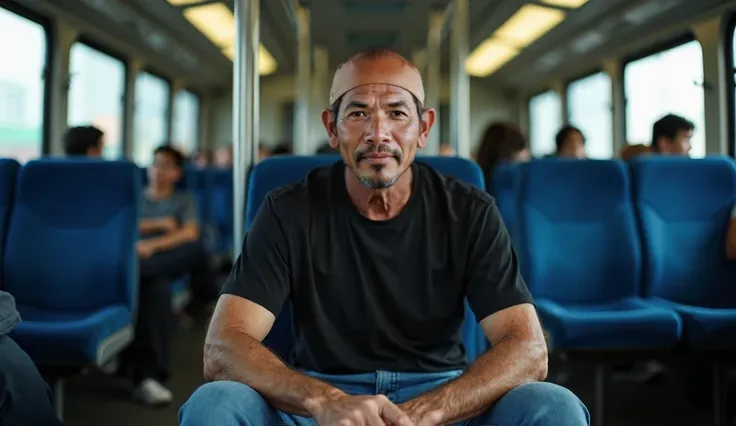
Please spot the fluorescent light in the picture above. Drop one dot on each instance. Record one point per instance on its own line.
(266, 62)
(183, 2)
(488, 57)
(215, 21)
(529, 24)
(572, 4)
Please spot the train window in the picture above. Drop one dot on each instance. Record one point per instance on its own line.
(186, 121)
(96, 95)
(667, 82)
(151, 110)
(545, 120)
(589, 109)
(22, 88)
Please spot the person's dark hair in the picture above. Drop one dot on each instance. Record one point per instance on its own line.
(562, 135)
(78, 140)
(174, 153)
(500, 142)
(667, 127)
(282, 149)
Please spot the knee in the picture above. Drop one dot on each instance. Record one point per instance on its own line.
(225, 403)
(545, 404)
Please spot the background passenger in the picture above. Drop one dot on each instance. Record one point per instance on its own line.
(201, 159)
(283, 148)
(446, 150)
(501, 143)
(169, 249)
(224, 157)
(632, 151)
(570, 143)
(671, 135)
(86, 141)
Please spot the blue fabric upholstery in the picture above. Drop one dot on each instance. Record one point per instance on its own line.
(221, 199)
(278, 171)
(8, 175)
(79, 219)
(684, 207)
(504, 191)
(580, 255)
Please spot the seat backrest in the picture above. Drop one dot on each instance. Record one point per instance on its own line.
(684, 207)
(199, 184)
(8, 176)
(575, 231)
(71, 241)
(504, 191)
(221, 200)
(275, 172)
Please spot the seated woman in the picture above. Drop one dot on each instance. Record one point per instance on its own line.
(25, 398)
(501, 143)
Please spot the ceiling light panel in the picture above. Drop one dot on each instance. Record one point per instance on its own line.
(215, 21)
(572, 4)
(489, 56)
(529, 24)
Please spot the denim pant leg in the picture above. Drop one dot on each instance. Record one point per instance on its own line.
(536, 404)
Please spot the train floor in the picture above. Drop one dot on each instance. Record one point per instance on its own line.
(96, 399)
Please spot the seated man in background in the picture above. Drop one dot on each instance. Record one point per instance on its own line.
(570, 143)
(169, 249)
(671, 135)
(377, 254)
(25, 398)
(86, 141)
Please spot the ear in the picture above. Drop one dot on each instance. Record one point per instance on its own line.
(330, 123)
(426, 124)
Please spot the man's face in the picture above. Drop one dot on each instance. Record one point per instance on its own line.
(96, 151)
(573, 146)
(680, 145)
(378, 131)
(164, 170)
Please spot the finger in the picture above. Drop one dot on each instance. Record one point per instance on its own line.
(372, 418)
(394, 415)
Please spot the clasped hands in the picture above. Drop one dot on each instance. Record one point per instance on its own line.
(350, 410)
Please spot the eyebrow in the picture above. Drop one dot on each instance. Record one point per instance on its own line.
(398, 104)
(356, 104)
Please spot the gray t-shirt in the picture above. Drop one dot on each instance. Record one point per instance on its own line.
(180, 206)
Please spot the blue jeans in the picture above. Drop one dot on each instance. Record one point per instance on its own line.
(235, 404)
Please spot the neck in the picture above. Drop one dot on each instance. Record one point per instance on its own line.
(379, 204)
(154, 191)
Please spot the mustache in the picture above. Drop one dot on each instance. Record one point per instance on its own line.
(379, 149)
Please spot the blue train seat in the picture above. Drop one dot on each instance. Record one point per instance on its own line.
(580, 255)
(79, 219)
(504, 191)
(8, 174)
(279, 171)
(684, 206)
(221, 204)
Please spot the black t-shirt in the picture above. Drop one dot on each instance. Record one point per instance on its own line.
(378, 295)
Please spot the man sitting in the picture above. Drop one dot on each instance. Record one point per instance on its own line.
(169, 249)
(377, 254)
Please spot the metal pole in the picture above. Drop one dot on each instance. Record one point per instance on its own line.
(434, 44)
(460, 85)
(245, 14)
(255, 101)
(303, 77)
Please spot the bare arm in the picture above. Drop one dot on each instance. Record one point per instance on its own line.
(233, 351)
(152, 226)
(519, 356)
(731, 240)
(187, 233)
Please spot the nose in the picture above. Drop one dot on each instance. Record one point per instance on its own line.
(378, 130)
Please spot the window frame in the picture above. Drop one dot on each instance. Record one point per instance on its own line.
(583, 76)
(199, 98)
(728, 46)
(563, 108)
(654, 49)
(47, 73)
(167, 114)
(93, 44)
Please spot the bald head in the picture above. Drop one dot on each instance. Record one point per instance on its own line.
(377, 66)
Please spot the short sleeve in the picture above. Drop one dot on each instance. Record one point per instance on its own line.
(733, 212)
(493, 280)
(261, 273)
(189, 210)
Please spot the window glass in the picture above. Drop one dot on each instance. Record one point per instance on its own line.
(22, 62)
(589, 109)
(186, 121)
(545, 120)
(151, 105)
(669, 82)
(96, 95)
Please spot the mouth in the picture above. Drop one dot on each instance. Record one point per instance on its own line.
(378, 158)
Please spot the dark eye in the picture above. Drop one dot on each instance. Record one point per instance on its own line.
(398, 113)
(357, 114)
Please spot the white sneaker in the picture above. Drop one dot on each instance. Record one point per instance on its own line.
(151, 392)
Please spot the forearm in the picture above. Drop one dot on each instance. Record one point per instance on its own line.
(150, 226)
(239, 357)
(173, 239)
(511, 362)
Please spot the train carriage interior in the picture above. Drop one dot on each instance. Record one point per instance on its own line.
(622, 229)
